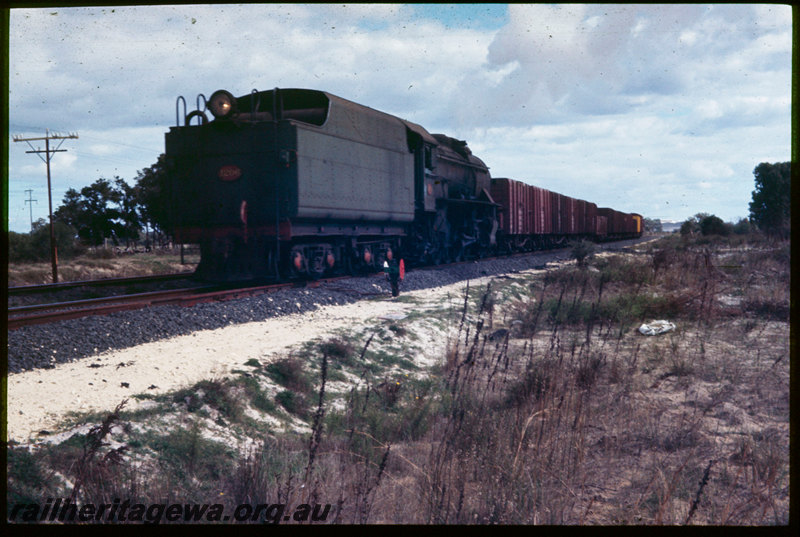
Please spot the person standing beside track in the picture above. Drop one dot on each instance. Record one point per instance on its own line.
(394, 273)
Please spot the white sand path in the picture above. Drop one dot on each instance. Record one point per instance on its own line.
(38, 400)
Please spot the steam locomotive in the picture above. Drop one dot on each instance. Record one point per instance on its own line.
(291, 183)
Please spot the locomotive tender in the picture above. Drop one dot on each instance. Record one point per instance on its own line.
(302, 183)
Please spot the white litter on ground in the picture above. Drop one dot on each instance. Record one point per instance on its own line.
(655, 328)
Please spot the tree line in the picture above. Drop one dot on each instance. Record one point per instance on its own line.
(770, 208)
(112, 209)
(106, 209)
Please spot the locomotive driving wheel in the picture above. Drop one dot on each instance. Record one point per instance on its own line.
(298, 262)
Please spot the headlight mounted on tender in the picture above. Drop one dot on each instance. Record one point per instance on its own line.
(222, 104)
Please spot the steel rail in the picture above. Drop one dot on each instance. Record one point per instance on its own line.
(46, 313)
(49, 287)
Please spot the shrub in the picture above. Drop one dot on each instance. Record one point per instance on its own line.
(624, 270)
(289, 373)
(531, 387)
(569, 278)
(663, 258)
(688, 227)
(35, 246)
(589, 369)
(631, 307)
(338, 350)
(257, 397)
(193, 456)
(582, 252)
(562, 312)
(294, 403)
(742, 227)
(215, 394)
(713, 225)
(25, 476)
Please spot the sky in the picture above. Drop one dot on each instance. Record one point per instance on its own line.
(659, 109)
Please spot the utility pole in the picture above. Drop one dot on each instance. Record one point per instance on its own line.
(47, 151)
(29, 200)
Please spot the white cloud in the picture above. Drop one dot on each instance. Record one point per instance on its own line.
(701, 169)
(601, 100)
(710, 109)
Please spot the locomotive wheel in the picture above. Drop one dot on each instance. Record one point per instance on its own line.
(299, 264)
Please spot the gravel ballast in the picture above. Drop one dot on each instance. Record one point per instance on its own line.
(43, 346)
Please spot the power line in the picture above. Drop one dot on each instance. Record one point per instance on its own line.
(29, 200)
(47, 151)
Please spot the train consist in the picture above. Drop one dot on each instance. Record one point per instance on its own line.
(301, 183)
(535, 218)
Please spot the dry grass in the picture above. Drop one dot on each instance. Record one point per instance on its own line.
(569, 417)
(102, 265)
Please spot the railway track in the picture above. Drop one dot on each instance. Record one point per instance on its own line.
(47, 313)
(19, 316)
(29, 295)
(43, 313)
(47, 343)
(21, 290)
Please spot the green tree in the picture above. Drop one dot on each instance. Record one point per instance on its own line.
(713, 225)
(692, 225)
(742, 226)
(653, 224)
(70, 209)
(705, 224)
(770, 208)
(35, 246)
(96, 212)
(129, 209)
(152, 195)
